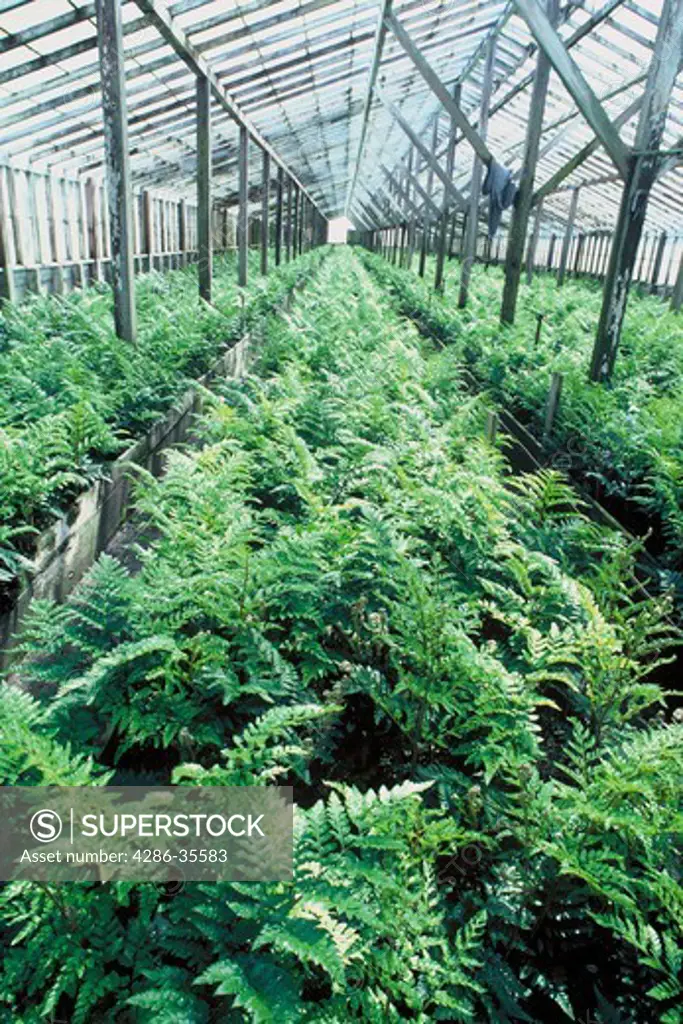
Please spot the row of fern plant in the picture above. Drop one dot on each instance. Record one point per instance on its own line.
(624, 440)
(347, 592)
(73, 395)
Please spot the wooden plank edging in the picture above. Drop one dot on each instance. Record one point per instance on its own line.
(68, 548)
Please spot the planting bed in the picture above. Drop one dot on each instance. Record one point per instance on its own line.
(622, 442)
(346, 591)
(74, 397)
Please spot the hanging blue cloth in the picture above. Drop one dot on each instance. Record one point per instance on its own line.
(499, 185)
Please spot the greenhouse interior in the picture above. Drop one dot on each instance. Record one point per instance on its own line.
(341, 511)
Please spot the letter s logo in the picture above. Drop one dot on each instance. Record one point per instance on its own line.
(46, 826)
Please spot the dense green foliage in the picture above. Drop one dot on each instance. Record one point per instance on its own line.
(72, 395)
(627, 437)
(346, 592)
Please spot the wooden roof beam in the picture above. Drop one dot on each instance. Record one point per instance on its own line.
(576, 85)
(176, 38)
(424, 152)
(438, 88)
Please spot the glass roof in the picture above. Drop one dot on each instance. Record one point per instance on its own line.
(301, 71)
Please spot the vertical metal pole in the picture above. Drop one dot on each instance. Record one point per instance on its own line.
(477, 168)
(243, 211)
(204, 234)
(119, 191)
(265, 213)
(520, 217)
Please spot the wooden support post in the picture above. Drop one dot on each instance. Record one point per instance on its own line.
(599, 243)
(580, 242)
(295, 225)
(265, 213)
(119, 191)
(498, 248)
(591, 252)
(491, 426)
(642, 172)
(642, 251)
(567, 240)
(602, 241)
(552, 403)
(38, 235)
(162, 235)
(204, 204)
(539, 328)
(7, 284)
(520, 217)
(243, 211)
(677, 294)
(533, 242)
(55, 232)
(443, 219)
(551, 252)
(430, 184)
(657, 268)
(225, 235)
(16, 218)
(93, 228)
(278, 216)
(591, 248)
(410, 190)
(651, 261)
(288, 225)
(472, 228)
(669, 265)
(451, 240)
(147, 229)
(182, 232)
(302, 221)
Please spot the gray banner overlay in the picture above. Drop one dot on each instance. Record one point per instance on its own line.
(146, 834)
